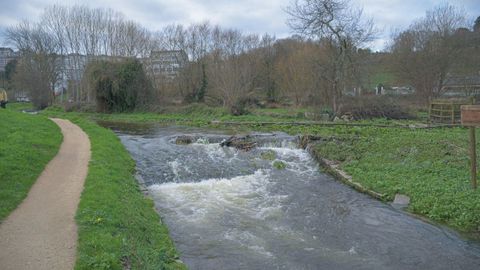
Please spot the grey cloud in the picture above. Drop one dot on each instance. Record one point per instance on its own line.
(247, 15)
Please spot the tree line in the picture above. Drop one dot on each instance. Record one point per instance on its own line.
(441, 44)
(320, 63)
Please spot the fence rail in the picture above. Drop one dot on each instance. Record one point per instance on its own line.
(446, 111)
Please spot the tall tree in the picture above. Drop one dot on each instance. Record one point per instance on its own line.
(476, 26)
(39, 61)
(427, 51)
(339, 27)
(295, 70)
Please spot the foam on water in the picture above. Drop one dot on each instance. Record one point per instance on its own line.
(214, 150)
(175, 168)
(240, 193)
(297, 160)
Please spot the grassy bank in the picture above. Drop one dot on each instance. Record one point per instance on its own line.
(197, 114)
(118, 226)
(430, 166)
(27, 144)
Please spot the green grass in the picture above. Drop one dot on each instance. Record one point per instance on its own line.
(118, 226)
(27, 144)
(430, 166)
(198, 114)
(18, 106)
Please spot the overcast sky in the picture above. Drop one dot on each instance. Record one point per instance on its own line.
(250, 16)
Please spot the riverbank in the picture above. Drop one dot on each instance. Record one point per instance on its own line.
(431, 166)
(118, 227)
(28, 143)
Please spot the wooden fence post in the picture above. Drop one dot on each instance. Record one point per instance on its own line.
(471, 119)
(473, 158)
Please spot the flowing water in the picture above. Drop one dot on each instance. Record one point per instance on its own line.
(229, 209)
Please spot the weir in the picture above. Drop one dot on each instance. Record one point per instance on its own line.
(231, 209)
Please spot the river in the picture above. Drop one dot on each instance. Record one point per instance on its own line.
(229, 209)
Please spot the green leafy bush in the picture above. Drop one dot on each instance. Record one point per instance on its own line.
(119, 86)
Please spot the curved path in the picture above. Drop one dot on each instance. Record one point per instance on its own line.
(41, 233)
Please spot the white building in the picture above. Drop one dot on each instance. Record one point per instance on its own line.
(72, 67)
(6, 55)
(166, 63)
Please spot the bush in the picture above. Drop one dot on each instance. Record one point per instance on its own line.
(373, 107)
(239, 108)
(241, 105)
(119, 86)
(77, 107)
(199, 109)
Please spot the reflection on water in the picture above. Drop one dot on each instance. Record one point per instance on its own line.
(228, 209)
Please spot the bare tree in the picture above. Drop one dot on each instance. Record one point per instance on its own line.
(77, 35)
(232, 74)
(38, 71)
(337, 26)
(426, 52)
(296, 69)
(266, 70)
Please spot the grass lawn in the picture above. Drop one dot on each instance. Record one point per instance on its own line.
(27, 144)
(118, 226)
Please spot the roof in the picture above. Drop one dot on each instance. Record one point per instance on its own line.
(171, 52)
(167, 51)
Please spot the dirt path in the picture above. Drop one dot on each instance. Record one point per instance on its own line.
(41, 233)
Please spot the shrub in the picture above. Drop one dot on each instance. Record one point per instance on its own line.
(119, 86)
(368, 107)
(239, 108)
(241, 105)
